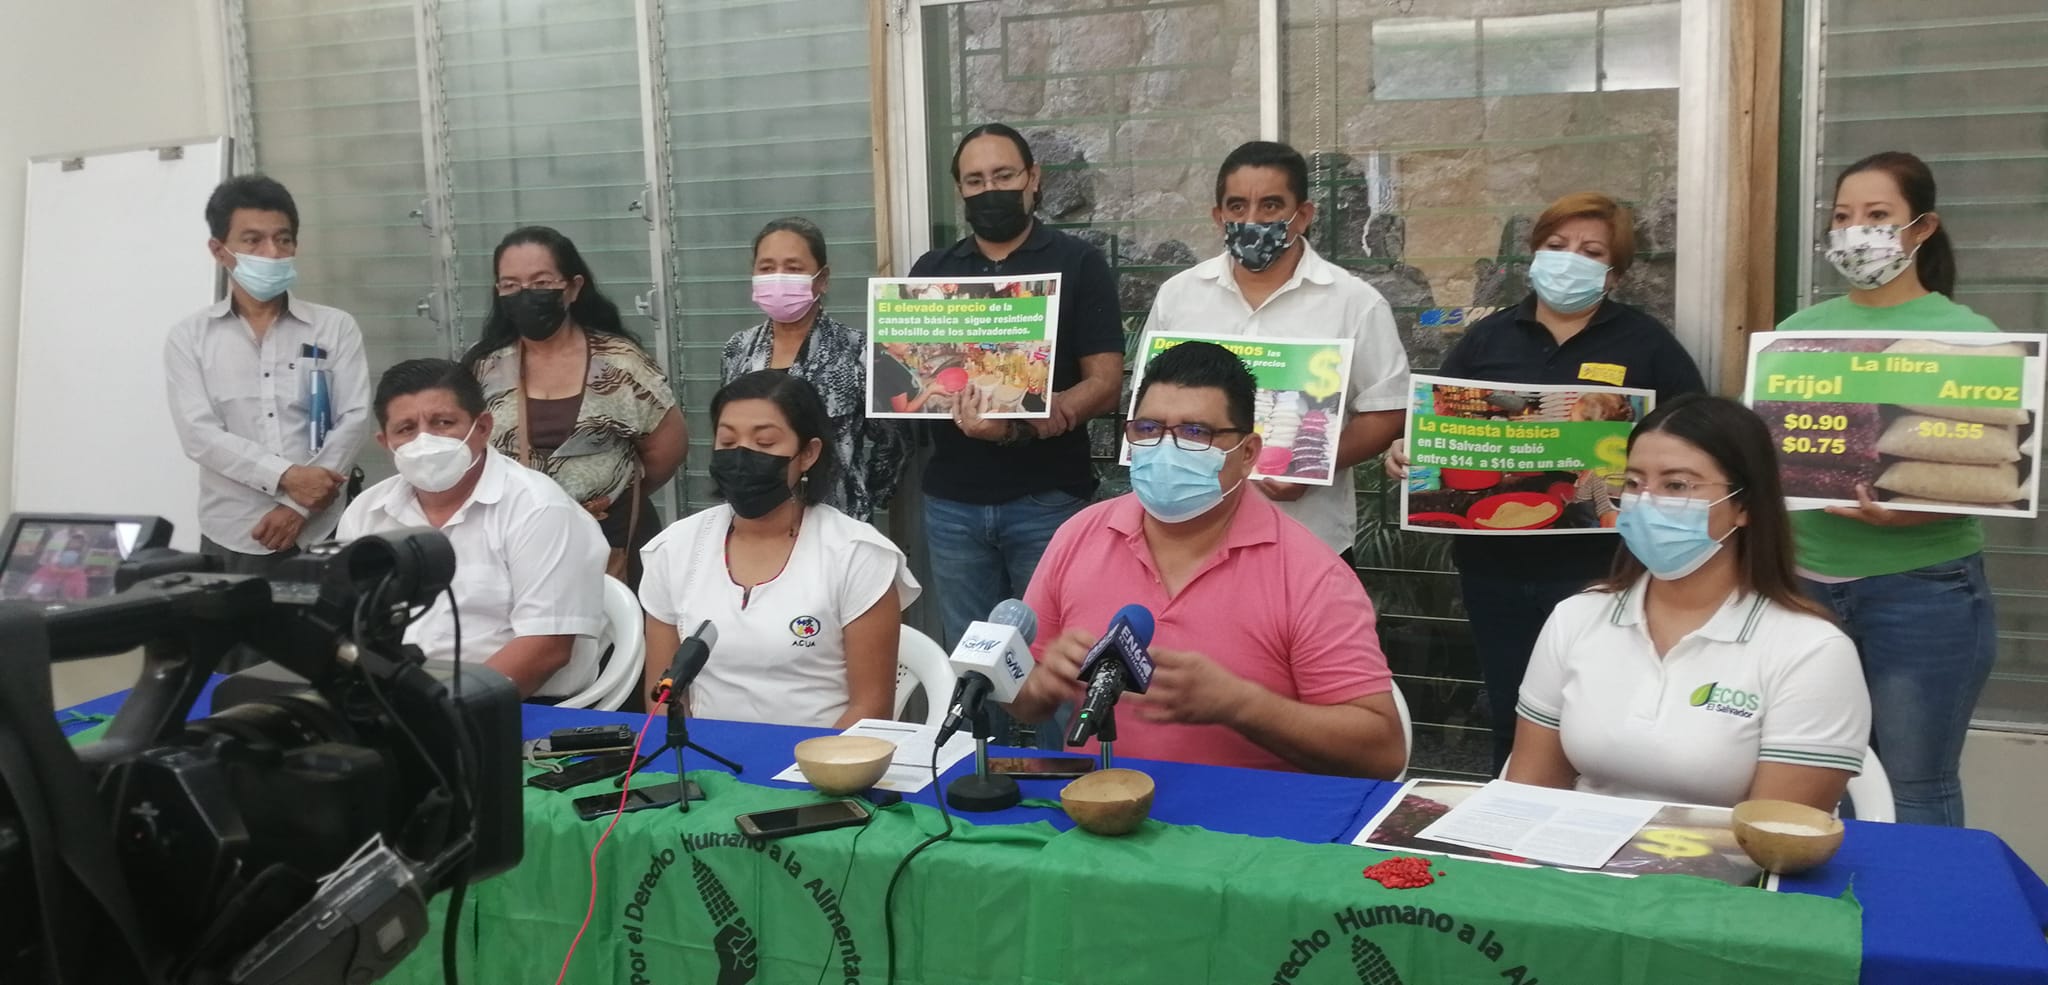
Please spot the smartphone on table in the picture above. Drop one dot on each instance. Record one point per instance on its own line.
(1042, 767)
(599, 767)
(605, 804)
(581, 741)
(803, 819)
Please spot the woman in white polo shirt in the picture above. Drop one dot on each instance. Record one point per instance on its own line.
(1698, 673)
(807, 601)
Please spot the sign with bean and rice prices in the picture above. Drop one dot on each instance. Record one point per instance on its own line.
(1941, 422)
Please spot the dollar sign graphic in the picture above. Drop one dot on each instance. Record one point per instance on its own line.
(1324, 380)
(1612, 452)
(1672, 843)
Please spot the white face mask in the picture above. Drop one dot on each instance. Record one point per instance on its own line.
(434, 463)
(1869, 257)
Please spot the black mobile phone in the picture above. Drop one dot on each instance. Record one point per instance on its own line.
(590, 738)
(1042, 768)
(599, 805)
(803, 820)
(585, 771)
(544, 748)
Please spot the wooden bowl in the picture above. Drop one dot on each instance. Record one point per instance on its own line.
(1109, 802)
(844, 764)
(1785, 837)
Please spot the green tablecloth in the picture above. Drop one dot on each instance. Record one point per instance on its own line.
(683, 899)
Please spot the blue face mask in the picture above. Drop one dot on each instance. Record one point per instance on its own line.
(1176, 485)
(1669, 534)
(264, 277)
(1568, 282)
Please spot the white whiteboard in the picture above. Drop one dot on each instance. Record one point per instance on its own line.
(113, 252)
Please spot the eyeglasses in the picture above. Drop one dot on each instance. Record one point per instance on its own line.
(1682, 489)
(1145, 433)
(1005, 178)
(509, 286)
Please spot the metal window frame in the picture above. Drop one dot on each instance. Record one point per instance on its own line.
(443, 304)
(241, 106)
(659, 303)
(1811, 151)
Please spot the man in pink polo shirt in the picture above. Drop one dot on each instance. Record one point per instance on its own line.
(1266, 649)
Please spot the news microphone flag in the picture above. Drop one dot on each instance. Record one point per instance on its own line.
(1118, 662)
(991, 662)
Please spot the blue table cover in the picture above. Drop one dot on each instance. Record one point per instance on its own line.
(1940, 905)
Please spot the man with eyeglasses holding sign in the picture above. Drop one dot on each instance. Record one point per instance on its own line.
(995, 490)
(1264, 649)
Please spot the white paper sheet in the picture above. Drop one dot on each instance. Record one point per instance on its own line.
(1562, 827)
(910, 770)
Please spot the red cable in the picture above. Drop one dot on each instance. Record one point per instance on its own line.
(625, 789)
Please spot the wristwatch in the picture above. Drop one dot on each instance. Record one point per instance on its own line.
(1020, 433)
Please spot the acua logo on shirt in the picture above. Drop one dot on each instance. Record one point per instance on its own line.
(1727, 700)
(803, 628)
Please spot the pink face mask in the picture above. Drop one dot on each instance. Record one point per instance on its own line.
(785, 298)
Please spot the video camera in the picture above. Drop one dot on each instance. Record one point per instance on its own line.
(289, 837)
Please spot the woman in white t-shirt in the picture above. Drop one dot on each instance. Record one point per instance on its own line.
(1698, 673)
(807, 601)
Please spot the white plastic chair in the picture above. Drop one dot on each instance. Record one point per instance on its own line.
(625, 632)
(1870, 791)
(920, 661)
(1407, 732)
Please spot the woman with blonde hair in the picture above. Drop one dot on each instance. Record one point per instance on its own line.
(1569, 330)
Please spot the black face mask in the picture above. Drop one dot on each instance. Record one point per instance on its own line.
(535, 313)
(753, 482)
(997, 215)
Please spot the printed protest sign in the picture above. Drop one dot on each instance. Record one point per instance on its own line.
(932, 339)
(1298, 410)
(1516, 458)
(1945, 422)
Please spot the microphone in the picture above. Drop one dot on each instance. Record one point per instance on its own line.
(689, 661)
(992, 660)
(1118, 663)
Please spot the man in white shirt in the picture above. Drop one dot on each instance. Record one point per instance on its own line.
(1268, 283)
(269, 392)
(529, 561)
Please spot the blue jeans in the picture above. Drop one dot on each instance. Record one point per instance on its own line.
(1928, 642)
(983, 554)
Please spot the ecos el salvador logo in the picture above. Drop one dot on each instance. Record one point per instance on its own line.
(1727, 700)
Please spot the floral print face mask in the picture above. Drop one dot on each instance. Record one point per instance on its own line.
(1869, 257)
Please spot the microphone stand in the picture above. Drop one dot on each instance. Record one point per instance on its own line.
(1105, 735)
(678, 739)
(982, 791)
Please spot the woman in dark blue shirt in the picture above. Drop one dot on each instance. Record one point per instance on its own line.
(1567, 331)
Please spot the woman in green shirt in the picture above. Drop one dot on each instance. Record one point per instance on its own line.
(1908, 587)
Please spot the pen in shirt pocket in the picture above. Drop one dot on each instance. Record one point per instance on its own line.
(318, 413)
